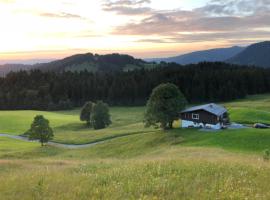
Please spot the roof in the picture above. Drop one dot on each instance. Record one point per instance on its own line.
(211, 108)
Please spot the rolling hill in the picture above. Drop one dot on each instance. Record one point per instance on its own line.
(256, 54)
(93, 62)
(81, 62)
(211, 55)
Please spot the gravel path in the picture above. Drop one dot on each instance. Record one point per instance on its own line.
(67, 146)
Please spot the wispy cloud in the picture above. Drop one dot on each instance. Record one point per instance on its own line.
(127, 7)
(61, 15)
(218, 20)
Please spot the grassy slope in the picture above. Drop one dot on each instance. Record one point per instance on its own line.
(151, 165)
(69, 129)
(17, 122)
(134, 167)
(251, 110)
(173, 178)
(125, 121)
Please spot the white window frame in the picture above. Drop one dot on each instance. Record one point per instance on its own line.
(195, 116)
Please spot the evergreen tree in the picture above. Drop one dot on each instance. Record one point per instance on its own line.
(202, 82)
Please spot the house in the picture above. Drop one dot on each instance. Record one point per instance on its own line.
(211, 116)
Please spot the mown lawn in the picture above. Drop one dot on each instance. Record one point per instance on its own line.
(17, 122)
(125, 121)
(69, 129)
(251, 110)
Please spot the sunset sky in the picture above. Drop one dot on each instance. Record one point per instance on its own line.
(39, 29)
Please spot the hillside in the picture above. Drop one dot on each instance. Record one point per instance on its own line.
(140, 163)
(211, 55)
(256, 54)
(93, 62)
(81, 62)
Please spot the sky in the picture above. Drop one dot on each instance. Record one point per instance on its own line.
(52, 29)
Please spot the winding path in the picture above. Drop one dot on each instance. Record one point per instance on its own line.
(67, 146)
(74, 146)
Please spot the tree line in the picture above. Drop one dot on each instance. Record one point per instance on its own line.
(202, 82)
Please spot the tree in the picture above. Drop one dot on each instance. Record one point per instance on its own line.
(40, 130)
(86, 112)
(164, 105)
(100, 117)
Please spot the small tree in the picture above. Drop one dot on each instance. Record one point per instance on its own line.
(40, 130)
(164, 105)
(86, 112)
(100, 117)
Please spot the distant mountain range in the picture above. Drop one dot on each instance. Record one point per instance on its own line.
(212, 55)
(257, 55)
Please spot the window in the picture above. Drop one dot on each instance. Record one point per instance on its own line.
(195, 116)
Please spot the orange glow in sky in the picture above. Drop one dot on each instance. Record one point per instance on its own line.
(143, 28)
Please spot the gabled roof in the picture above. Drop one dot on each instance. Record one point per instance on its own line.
(211, 108)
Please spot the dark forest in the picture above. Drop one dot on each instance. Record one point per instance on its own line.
(203, 82)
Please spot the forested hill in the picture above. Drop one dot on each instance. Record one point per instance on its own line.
(204, 82)
(257, 54)
(80, 62)
(93, 63)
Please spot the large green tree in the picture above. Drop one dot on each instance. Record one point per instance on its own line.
(86, 112)
(164, 105)
(40, 130)
(100, 117)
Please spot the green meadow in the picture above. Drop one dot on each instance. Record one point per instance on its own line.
(135, 162)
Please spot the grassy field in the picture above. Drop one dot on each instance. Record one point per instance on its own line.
(69, 129)
(145, 164)
(251, 110)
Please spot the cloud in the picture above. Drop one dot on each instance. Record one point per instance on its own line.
(127, 7)
(201, 37)
(218, 20)
(61, 15)
(236, 7)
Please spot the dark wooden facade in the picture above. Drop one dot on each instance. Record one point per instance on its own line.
(204, 117)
